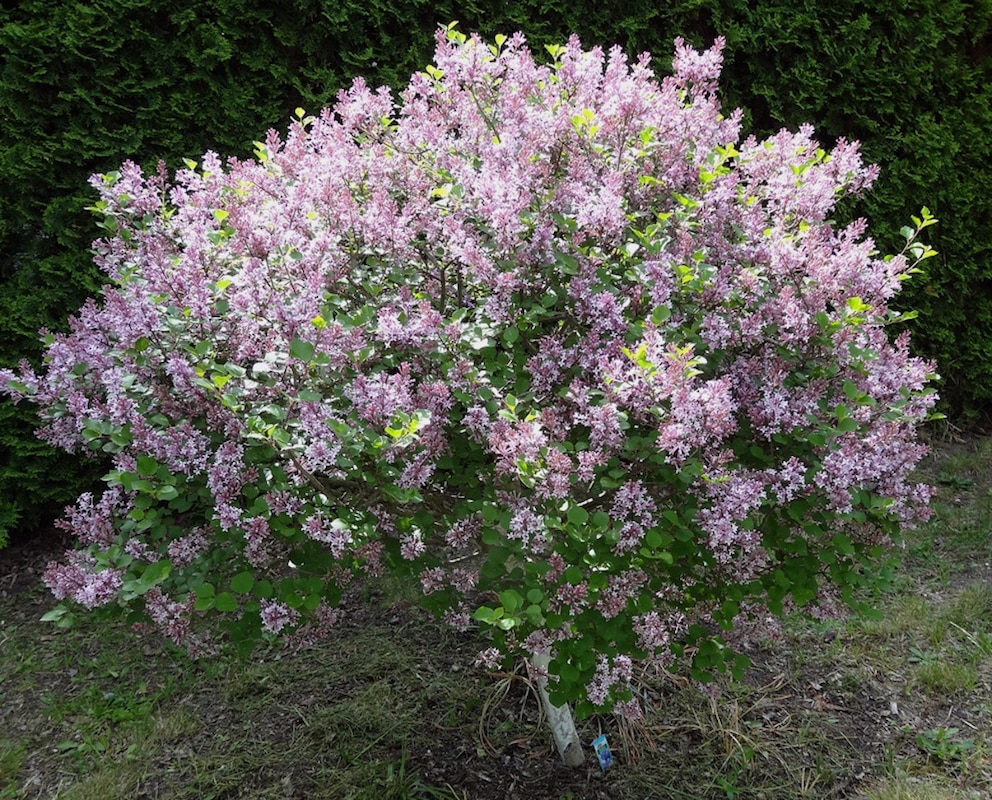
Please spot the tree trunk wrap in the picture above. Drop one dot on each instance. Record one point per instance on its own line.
(559, 718)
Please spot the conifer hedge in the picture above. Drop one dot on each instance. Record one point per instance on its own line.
(86, 85)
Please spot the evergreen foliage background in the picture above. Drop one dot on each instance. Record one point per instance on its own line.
(87, 84)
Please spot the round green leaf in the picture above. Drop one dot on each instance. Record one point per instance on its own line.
(577, 515)
(242, 582)
(226, 601)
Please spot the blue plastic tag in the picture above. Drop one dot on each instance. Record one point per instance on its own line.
(603, 753)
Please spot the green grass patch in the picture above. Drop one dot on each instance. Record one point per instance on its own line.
(912, 788)
(12, 755)
(942, 677)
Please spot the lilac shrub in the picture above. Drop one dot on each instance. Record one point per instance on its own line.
(549, 340)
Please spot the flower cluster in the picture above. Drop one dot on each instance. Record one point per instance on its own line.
(548, 340)
(80, 580)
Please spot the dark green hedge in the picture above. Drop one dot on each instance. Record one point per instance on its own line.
(86, 84)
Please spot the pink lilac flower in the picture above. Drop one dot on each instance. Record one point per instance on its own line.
(412, 546)
(413, 324)
(628, 538)
(556, 567)
(276, 616)
(140, 550)
(417, 473)
(186, 549)
(315, 629)
(379, 397)
(521, 441)
(548, 365)
(171, 617)
(334, 533)
(538, 643)
(655, 634)
(604, 423)
(464, 580)
(609, 673)
(489, 658)
(226, 476)
(699, 418)
(619, 590)
(572, 597)
(257, 540)
(752, 625)
(525, 526)
(464, 532)
(589, 460)
(283, 502)
(93, 522)
(478, 423)
(632, 501)
(629, 710)
(789, 480)
(372, 553)
(459, 620)
(81, 580)
(433, 579)
(556, 481)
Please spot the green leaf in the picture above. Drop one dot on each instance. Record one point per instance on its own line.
(488, 615)
(847, 425)
(156, 572)
(242, 582)
(204, 603)
(569, 265)
(577, 515)
(661, 314)
(511, 600)
(842, 544)
(167, 492)
(600, 520)
(301, 350)
(55, 614)
(226, 601)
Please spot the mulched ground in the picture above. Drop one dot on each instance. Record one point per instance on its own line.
(524, 770)
(872, 720)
